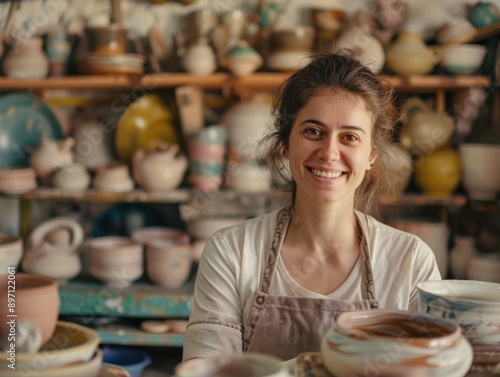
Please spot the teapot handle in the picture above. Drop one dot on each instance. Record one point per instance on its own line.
(36, 238)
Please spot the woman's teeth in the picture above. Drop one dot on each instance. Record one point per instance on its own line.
(326, 174)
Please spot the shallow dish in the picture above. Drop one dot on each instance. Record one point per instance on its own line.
(70, 343)
(25, 120)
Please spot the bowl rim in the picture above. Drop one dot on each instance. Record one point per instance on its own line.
(423, 286)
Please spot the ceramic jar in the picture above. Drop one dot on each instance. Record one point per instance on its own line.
(369, 49)
(395, 343)
(243, 60)
(247, 121)
(200, 60)
(409, 55)
(168, 263)
(439, 173)
(37, 301)
(160, 168)
(425, 130)
(49, 155)
(72, 177)
(58, 261)
(26, 60)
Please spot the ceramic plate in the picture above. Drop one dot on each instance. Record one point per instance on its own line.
(147, 118)
(24, 120)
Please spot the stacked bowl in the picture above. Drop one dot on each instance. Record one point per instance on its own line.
(11, 252)
(115, 260)
(16, 181)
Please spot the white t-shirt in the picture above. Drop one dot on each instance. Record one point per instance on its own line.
(233, 262)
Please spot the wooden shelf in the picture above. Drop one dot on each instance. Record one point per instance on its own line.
(89, 298)
(424, 200)
(256, 81)
(127, 335)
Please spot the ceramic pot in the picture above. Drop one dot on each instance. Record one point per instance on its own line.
(369, 49)
(50, 155)
(425, 130)
(11, 251)
(483, 14)
(26, 60)
(243, 60)
(160, 168)
(73, 177)
(247, 121)
(37, 301)
(438, 174)
(409, 55)
(57, 261)
(395, 343)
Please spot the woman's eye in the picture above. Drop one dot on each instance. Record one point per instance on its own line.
(312, 132)
(351, 137)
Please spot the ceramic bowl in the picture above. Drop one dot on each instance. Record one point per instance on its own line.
(255, 365)
(71, 343)
(395, 343)
(147, 234)
(133, 360)
(474, 305)
(462, 58)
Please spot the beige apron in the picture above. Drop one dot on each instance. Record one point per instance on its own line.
(286, 326)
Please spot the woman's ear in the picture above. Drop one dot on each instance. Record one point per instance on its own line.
(373, 157)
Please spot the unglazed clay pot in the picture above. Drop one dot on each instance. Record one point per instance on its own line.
(58, 261)
(11, 251)
(50, 155)
(168, 264)
(26, 60)
(36, 300)
(395, 343)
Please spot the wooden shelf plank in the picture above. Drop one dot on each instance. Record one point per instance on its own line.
(424, 200)
(221, 80)
(173, 196)
(138, 300)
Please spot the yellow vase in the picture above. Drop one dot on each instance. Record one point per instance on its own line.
(439, 173)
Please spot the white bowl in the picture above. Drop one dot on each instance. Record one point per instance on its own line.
(462, 58)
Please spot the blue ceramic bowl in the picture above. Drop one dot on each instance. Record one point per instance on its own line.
(133, 360)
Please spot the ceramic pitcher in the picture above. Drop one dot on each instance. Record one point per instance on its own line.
(58, 261)
(26, 60)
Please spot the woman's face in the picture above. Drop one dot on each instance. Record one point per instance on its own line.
(330, 147)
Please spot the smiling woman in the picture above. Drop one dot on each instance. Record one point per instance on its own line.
(274, 284)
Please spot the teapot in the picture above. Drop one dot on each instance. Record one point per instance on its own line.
(59, 261)
(160, 167)
(425, 130)
(49, 155)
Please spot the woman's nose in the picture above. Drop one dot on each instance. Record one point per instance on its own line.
(329, 150)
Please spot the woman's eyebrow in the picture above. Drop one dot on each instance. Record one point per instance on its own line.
(347, 126)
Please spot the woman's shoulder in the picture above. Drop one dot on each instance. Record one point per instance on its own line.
(253, 225)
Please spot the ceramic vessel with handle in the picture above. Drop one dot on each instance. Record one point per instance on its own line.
(58, 261)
